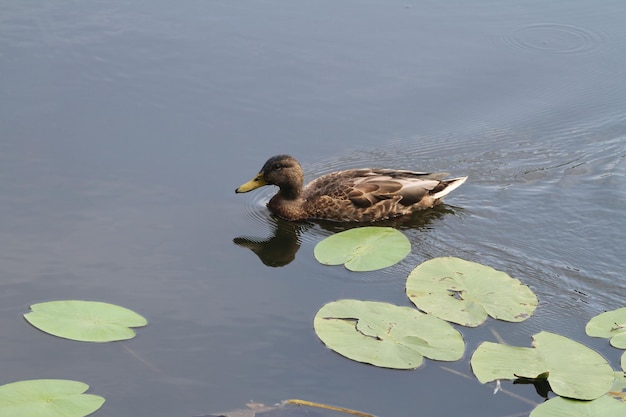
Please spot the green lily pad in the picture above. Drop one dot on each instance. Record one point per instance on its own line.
(610, 324)
(86, 321)
(47, 398)
(623, 362)
(465, 292)
(364, 248)
(572, 369)
(601, 407)
(386, 335)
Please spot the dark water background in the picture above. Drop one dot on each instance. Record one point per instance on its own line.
(126, 127)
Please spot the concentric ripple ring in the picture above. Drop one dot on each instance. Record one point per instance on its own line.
(554, 38)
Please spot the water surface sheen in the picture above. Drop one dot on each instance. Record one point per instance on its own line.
(128, 125)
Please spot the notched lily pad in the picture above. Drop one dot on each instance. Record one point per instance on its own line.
(465, 292)
(610, 325)
(572, 369)
(364, 248)
(47, 398)
(85, 321)
(386, 335)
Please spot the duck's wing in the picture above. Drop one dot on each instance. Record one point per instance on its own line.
(366, 187)
(407, 187)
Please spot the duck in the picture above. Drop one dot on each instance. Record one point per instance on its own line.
(352, 195)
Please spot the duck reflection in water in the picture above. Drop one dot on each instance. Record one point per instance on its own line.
(280, 248)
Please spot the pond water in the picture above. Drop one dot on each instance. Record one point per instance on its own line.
(126, 127)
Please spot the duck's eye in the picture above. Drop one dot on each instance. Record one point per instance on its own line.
(277, 167)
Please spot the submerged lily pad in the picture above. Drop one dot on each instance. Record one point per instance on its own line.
(47, 398)
(601, 407)
(86, 321)
(364, 248)
(572, 369)
(466, 292)
(386, 335)
(611, 325)
(619, 386)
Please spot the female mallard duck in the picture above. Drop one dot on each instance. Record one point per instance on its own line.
(354, 195)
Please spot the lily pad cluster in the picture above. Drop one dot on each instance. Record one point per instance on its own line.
(572, 370)
(446, 289)
(455, 290)
(86, 321)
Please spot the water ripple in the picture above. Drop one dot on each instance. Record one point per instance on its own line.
(555, 38)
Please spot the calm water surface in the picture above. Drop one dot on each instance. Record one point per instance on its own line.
(126, 127)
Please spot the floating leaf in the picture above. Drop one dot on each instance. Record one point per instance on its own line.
(364, 248)
(47, 398)
(86, 321)
(386, 335)
(610, 324)
(573, 370)
(601, 407)
(623, 362)
(466, 292)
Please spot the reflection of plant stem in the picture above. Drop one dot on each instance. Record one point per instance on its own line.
(617, 395)
(327, 407)
(495, 334)
(142, 360)
(504, 391)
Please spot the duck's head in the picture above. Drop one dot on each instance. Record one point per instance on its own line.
(283, 171)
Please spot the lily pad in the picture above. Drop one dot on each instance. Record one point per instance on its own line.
(386, 335)
(47, 398)
(559, 407)
(611, 325)
(364, 248)
(86, 321)
(572, 369)
(465, 292)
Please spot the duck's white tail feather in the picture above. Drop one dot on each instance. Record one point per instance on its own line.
(452, 184)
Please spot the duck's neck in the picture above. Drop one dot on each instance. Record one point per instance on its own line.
(288, 193)
(287, 204)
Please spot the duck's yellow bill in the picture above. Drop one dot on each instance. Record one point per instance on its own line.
(253, 184)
